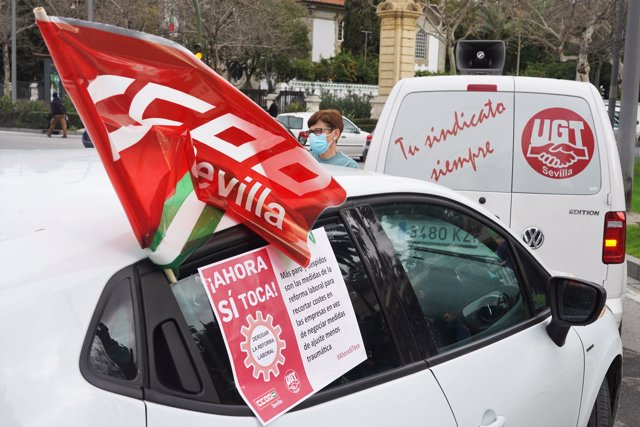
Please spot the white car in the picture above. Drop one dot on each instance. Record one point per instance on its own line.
(461, 323)
(352, 141)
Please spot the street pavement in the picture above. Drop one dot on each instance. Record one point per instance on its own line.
(629, 408)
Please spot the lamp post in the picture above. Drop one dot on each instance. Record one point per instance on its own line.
(14, 68)
(89, 10)
(366, 37)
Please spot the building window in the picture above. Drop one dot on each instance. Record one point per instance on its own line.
(341, 31)
(421, 44)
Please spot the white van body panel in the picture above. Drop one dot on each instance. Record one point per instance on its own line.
(539, 154)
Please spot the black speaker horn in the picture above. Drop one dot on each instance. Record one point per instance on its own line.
(480, 57)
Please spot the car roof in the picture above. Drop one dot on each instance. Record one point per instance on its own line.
(61, 213)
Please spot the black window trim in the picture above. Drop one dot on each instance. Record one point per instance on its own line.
(131, 388)
(434, 359)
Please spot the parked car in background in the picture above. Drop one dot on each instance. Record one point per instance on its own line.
(461, 323)
(352, 141)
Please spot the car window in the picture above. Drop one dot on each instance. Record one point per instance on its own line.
(284, 120)
(381, 351)
(349, 127)
(296, 123)
(462, 271)
(113, 350)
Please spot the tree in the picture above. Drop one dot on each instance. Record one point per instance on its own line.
(568, 28)
(446, 16)
(245, 37)
(24, 22)
(360, 15)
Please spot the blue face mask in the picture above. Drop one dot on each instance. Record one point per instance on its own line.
(318, 143)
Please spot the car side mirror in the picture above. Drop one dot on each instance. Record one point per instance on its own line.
(574, 302)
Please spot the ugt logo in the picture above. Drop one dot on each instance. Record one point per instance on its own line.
(558, 143)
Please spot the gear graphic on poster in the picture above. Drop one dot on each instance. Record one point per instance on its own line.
(263, 346)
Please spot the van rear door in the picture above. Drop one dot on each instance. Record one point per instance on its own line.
(457, 132)
(559, 194)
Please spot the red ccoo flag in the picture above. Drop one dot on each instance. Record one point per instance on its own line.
(180, 144)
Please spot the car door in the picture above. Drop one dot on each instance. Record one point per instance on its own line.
(478, 304)
(352, 140)
(185, 375)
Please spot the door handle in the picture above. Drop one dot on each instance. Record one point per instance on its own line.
(498, 422)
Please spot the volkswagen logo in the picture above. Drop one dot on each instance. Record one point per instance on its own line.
(533, 237)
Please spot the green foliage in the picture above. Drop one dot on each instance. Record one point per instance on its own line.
(294, 107)
(360, 15)
(633, 240)
(71, 109)
(367, 71)
(427, 73)
(635, 190)
(551, 69)
(353, 105)
(303, 69)
(342, 68)
(25, 106)
(367, 125)
(6, 104)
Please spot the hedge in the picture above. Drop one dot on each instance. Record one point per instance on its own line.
(34, 120)
(367, 125)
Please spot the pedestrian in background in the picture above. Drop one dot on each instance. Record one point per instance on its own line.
(273, 109)
(325, 128)
(58, 115)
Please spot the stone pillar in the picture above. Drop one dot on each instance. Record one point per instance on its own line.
(397, 46)
(313, 103)
(33, 88)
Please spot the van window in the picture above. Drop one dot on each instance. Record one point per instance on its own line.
(556, 148)
(462, 140)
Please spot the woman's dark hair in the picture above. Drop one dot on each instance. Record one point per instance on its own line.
(331, 117)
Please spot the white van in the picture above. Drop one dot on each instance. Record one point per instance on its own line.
(538, 153)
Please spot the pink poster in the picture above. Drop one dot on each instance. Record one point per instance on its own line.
(289, 330)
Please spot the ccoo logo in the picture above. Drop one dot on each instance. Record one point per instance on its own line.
(558, 143)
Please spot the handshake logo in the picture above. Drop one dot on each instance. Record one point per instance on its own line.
(557, 143)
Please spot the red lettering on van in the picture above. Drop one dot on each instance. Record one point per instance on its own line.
(461, 161)
(460, 124)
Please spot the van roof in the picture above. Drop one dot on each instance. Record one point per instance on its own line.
(502, 83)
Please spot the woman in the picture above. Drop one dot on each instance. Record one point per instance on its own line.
(325, 128)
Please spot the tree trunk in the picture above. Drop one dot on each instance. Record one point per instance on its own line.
(7, 68)
(582, 67)
(452, 58)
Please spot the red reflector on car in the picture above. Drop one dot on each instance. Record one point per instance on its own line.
(614, 239)
(482, 88)
(369, 137)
